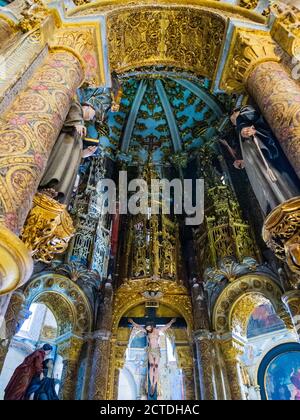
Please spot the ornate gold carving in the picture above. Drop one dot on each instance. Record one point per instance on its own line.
(286, 29)
(65, 299)
(224, 9)
(249, 283)
(174, 36)
(33, 16)
(281, 232)
(130, 294)
(249, 4)
(48, 228)
(243, 310)
(292, 301)
(248, 50)
(85, 40)
(224, 233)
(16, 264)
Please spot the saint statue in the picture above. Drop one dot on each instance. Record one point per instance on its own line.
(23, 375)
(64, 161)
(153, 349)
(42, 386)
(272, 178)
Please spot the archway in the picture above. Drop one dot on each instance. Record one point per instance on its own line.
(64, 305)
(252, 319)
(135, 305)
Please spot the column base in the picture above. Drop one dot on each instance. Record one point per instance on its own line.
(16, 264)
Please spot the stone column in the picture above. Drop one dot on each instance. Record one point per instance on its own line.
(278, 97)
(231, 351)
(28, 131)
(98, 381)
(292, 301)
(13, 320)
(205, 361)
(70, 350)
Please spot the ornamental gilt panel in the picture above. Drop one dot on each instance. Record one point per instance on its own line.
(188, 39)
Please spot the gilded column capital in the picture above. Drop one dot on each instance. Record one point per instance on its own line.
(232, 349)
(70, 348)
(48, 228)
(201, 335)
(286, 28)
(281, 232)
(248, 50)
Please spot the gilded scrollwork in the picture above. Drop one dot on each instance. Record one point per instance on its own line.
(260, 285)
(173, 295)
(73, 309)
(281, 233)
(286, 28)
(165, 36)
(48, 228)
(248, 50)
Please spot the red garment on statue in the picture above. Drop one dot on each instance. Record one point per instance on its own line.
(23, 375)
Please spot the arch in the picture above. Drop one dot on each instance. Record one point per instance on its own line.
(134, 292)
(268, 358)
(64, 298)
(237, 301)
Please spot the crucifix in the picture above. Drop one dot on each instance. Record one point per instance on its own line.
(148, 325)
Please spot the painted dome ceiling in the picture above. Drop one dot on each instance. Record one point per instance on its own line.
(160, 118)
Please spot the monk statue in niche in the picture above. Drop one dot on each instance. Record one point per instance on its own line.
(64, 161)
(25, 372)
(152, 332)
(272, 178)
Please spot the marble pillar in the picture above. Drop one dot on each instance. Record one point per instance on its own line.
(28, 131)
(278, 97)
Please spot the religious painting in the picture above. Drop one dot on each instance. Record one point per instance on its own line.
(264, 320)
(281, 377)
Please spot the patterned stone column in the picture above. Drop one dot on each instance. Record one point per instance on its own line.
(28, 131)
(70, 350)
(14, 318)
(278, 97)
(292, 301)
(231, 351)
(186, 364)
(98, 381)
(205, 360)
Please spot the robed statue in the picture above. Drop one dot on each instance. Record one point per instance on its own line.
(42, 387)
(25, 372)
(272, 178)
(153, 349)
(65, 158)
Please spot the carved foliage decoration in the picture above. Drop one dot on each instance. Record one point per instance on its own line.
(48, 228)
(281, 233)
(190, 39)
(248, 49)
